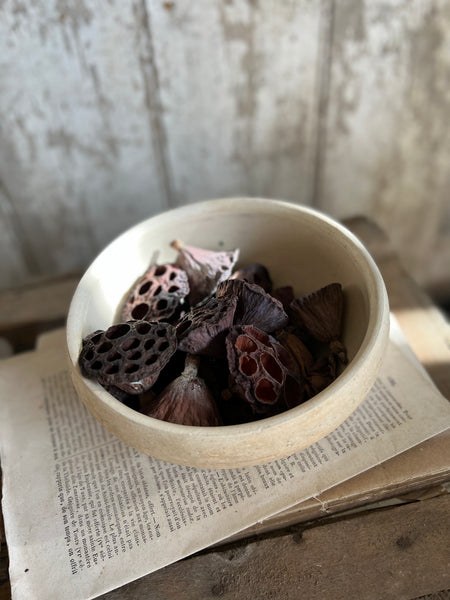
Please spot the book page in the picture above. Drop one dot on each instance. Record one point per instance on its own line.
(86, 512)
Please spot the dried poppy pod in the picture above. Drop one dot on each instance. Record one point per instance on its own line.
(205, 269)
(261, 371)
(157, 294)
(320, 313)
(255, 273)
(203, 329)
(186, 400)
(254, 306)
(128, 356)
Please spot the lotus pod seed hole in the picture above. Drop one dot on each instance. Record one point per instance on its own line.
(140, 311)
(160, 270)
(131, 369)
(163, 346)
(113, 356)
(151, 359)
(145, 287)
(135, 356)
(248, 365)
(130, 344)
(264, 392)
(245, 344)
(149, 343)
(143, 328)
(117, 331)
(271, 367)
(96, 365)
(105, 347)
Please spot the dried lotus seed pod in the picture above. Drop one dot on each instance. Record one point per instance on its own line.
(187, 400)
(203, 329)
(254, 306)
(261, 371)
(320, 313)
(255, 273)
(128, 356)
(205, 268)
(157, 295)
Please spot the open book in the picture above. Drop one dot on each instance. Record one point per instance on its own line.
(86, 513)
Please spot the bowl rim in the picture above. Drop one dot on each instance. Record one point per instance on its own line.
(376, 326)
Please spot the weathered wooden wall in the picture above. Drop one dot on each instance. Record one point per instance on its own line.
(112, 110)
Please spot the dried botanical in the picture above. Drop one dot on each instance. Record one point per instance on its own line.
(157, 295)
(261, 371)
(285, 295)
(203, 329)
(186, 400)
(255, 273)
(254, 305)
(205, 269)
(128, 356)
(320, 313)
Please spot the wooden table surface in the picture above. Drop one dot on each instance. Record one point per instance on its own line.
(398, 552)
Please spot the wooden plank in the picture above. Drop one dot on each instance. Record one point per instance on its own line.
(395, 553)
(386, 152)
(238, 84)
(79, 156)
(426, 327)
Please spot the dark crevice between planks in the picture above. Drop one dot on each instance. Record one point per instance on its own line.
(149, 72)
(324, 64)
(28, 256)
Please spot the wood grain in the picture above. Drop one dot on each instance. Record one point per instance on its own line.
(386, 142)
(79, 155)
(238, 86)
(368, 556)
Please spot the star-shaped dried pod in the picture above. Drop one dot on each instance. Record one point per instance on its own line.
(320, 313)
(128, 356)
(186, 400)
(205, 268)
(203, 329)
(255, 273)
(254, 305)
(261, 371)
(157, 295)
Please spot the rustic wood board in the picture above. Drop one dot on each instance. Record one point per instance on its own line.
(80, 157)
(385, 141)
(390, 554)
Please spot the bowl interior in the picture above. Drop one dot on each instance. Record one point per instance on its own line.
(299, 247)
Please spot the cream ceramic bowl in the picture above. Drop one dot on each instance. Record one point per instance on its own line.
(300, 247)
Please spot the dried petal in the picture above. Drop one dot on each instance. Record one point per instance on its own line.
(254, 306)
(203, 329)
(260, 371)
(129, 355)
(187, 400)
(255, 273)
(157, 295)
(205, 269)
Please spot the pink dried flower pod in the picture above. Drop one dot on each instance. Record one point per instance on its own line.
(157, 294)
(261, 371)
(205, 268)
(186, 400)
(254, 305)
(128, 356)
(203, 329)
(255, 273)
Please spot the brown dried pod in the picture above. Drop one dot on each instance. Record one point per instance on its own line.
(303, 357)
(129, 355)
(285, 295)
(203, 329)
(157, 294)
(186, 400)
(254, 305)
(255, 273)
(261, 371)
(320, 313)
(205, 268)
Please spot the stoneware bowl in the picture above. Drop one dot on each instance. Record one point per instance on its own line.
(300, 247)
